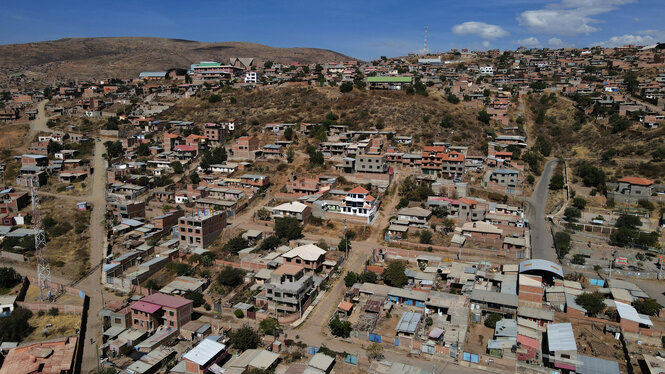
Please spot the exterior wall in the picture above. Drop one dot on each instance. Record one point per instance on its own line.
(144, 321)
(203, 234)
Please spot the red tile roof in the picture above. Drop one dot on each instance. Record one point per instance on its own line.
(56, 356)
(345, 306)
(185, 148)
(637, 181)
(359, 190)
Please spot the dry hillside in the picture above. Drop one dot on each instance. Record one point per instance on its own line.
(407, 114)
(82, 58)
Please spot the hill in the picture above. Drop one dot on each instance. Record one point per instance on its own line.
(427, 119)
(125, 57)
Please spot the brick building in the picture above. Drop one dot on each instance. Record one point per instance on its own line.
(201, 229)
(159, 309)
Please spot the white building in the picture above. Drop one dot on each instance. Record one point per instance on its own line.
(486, 70)
(251, 77)
(358, 202)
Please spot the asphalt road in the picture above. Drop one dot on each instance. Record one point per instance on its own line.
(542, 246)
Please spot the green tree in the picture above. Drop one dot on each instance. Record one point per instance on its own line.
(197, 298)
(288, 228)
(425, 237)
(214, 98)
(483, 117)
(631, 82)
(543, 146)
(562, 243)
(346, 87)
(572, 214)
(231, 277)
(591, 175)
(453, 99)
(143, 149)
(267, 64)
(288, 133)
(592, 302)
(316, 158)
(290, 154)
(647, 306)
(236, 244)
(344, 245)
(492, 319)
(113, 149)
(375, 351)
(9, 277)
(53, 147)
(557, 182)
(245, 338)
(270, 243)
(578, 259)
(579, 203)
(15, 327)
(394, 275)
(269, 326)
(194, 178)
(176, 166)
(339, 328)
(350, 279)
(368, 277)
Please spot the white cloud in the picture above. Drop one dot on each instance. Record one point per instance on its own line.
(530, 42)
(618, 41)
(486, 44)
(569, 17)
(484, 30)
(555, 42)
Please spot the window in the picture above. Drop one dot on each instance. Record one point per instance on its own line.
(565, 355)
(171, 323)
(171, 313)
(136, 321)
(117, 321)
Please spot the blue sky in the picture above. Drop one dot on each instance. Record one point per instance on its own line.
(362, 29)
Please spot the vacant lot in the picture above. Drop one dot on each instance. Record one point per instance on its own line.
(59, 326)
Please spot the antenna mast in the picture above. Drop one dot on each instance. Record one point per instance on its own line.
(425, 49)
(43, 268)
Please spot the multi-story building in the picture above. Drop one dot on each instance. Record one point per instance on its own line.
(439, 160)
(289, 289)
(159, 309)
(213, 132)
(201, 229)
(245, 148)
(630, 189)
(295, 209)
(126, 209)
(371, 164)
(207, 71)
(358, 202)
(309, 257)
(251, 77)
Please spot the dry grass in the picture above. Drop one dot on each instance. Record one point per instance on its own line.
(11, 137)
(32, 296)
(62, 325)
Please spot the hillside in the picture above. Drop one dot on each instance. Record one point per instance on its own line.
(427, 119)
(125, 57)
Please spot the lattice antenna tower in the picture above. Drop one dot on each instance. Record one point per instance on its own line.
(43, 267)
(425, 49)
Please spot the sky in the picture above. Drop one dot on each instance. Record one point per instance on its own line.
(364, 29)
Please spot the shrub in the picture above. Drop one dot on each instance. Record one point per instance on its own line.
(245, 338)
(647, 306)
(238, 313)
(350, 279)
(425, 237)
(557, 182)
(578, 259)
(9, 277)
(579, 203)
(214, 99)
(231, 277)
(340, 328)
(288, 228)
(53, 312)
(572, 214)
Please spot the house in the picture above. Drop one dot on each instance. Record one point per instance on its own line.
(201, 229)
(50, 357)
(183, 285)
(408, 324)
(288, 291)
(414, 216)
(358, 202)
(371, 164)
(245, 148)
(320, 363)
(388, 82)
(630, 189)
(7, 304)
(256, 359)
(310, 257)
(160, 309)
(295, 209)
(561, 346)
(125, 209)
(482, 230)
(205, 357)
(630, 320)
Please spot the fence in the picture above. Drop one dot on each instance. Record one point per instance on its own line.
(39, 307)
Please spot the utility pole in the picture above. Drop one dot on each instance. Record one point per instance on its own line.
(346, 241)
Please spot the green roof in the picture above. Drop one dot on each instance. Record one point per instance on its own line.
(208, 64)
(389, 79)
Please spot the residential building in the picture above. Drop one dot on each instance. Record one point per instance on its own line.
(414, 216)
(245, 148)
(251, 77)
(201, 229)
(161, 310)
(125, 209)
(310, 257)
(358, 202)
(205, 357)
(288, 291)
(630, 190)
(371, 164)
(49, 357)
(561, 346)
(295, 209)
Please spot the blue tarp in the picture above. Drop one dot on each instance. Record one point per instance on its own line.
(350, 359)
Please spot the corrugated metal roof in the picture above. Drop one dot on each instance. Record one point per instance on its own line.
(409, 322)
(560, 337)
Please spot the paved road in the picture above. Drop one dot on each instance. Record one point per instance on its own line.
(541, 238)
